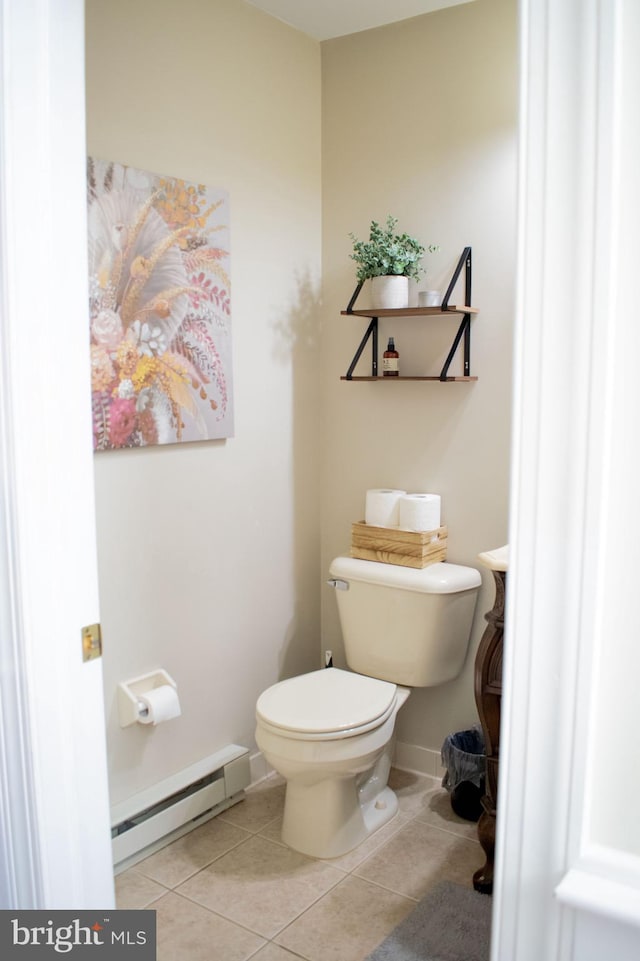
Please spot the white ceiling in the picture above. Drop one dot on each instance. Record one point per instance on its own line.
(324, 19)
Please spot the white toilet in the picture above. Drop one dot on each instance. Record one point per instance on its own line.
(330, 733)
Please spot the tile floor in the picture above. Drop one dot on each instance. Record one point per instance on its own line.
(230, 890)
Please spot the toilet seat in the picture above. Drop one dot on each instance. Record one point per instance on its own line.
(326, 705)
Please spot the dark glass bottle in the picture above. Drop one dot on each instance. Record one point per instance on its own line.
(390, 367)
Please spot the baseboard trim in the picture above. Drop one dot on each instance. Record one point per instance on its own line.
(421, 760)
(259, 769)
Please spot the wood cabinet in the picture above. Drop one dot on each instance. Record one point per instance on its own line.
(488, 694)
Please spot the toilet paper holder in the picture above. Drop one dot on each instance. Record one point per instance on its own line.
(130, 708)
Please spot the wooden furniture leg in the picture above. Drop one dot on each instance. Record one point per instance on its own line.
(488, 694)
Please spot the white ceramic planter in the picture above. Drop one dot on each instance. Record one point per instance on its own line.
(390, 292)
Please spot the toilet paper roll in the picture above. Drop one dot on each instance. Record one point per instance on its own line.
(382, 507)
(419, 512)
(162, 703)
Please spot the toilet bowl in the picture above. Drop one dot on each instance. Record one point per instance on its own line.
(330, 735)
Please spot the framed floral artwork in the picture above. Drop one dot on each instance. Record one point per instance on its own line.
(160, 308)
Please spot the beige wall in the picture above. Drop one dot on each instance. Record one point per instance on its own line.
(210, 558)
(209, 552)
(419, 120)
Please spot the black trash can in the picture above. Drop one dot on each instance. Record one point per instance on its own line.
(463, 757)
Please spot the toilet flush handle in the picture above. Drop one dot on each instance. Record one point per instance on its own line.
(339, 584)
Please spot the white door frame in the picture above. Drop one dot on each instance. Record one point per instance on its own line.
(566, 887)
(53, 784)
(54, 813)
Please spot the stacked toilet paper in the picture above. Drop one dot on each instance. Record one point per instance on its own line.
(386, 507)
(420, 512)
(382, 507)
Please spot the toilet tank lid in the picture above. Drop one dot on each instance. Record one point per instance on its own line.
(440, 578)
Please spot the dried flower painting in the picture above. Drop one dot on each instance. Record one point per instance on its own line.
(160, 307)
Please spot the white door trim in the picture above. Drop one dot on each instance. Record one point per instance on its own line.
(53, 782)
(573, 226)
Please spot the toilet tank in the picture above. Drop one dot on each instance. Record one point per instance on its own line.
(404, 625)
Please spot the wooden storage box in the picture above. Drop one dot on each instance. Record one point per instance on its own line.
(393, 545)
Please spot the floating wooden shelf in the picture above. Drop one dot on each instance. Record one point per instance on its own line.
(409, 311)
(393, 379)
(463, 334)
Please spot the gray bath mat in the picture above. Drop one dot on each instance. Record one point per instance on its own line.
(451, 923)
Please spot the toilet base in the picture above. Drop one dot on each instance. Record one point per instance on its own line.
(337, 793)
(328, 819)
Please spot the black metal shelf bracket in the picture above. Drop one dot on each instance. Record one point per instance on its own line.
(354, 297)
(464, 330)
(372, 331)
(463, 333)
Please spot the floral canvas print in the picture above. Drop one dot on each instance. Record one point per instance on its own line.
(160, 306)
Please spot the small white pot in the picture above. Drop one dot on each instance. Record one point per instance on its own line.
(390, 292)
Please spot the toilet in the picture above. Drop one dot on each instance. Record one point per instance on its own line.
(329, 733)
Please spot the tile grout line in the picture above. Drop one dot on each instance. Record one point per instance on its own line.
(455, 834)
(223, 917)
(410, 820)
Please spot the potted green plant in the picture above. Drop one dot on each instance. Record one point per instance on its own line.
(389, 259)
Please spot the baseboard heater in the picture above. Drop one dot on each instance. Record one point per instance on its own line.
(147, 821)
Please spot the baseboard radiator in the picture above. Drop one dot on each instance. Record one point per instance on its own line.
(147, 821)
